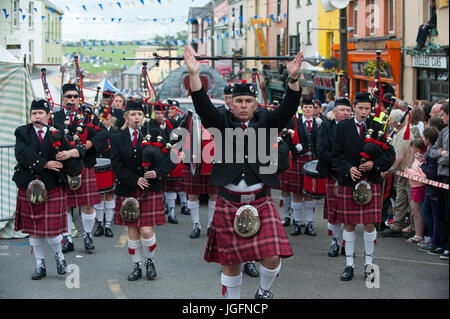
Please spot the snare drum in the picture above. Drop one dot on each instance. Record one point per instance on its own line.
(105, 175)
(314, 185)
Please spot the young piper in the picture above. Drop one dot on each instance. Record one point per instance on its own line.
(36, 158)
(146, 187)
(241, 184)
(347, 149)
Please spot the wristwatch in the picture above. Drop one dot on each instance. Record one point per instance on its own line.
(292, 80)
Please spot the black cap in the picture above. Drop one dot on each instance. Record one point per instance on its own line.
(40, 104)
(69, 87)
(228, 89)
(134, 106)
(108, 93)
(243, 88)
(160, 108)
(173, 102)
(363, 97)
(342, 101)
(307, 101)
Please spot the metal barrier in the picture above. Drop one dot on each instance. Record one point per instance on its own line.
(8, 189)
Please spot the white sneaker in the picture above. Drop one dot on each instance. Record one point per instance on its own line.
(444, 255)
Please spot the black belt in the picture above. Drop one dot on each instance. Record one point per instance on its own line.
(243, 197)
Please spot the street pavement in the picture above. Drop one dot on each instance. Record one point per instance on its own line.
(404, 271)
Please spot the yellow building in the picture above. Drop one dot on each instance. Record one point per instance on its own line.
(328, 31)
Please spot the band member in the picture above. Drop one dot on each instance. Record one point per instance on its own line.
(228, 97)
(146, 187)
(87, 195)
(36, 159)
(104, 211)
(304, 132)
(245, 183)
(347, 149)
(326, 167)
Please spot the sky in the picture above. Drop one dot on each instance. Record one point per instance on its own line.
(121, 20)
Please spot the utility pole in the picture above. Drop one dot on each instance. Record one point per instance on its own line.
(213, 7)
(343, 61)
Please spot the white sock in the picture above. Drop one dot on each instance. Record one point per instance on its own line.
(183, 198)
(350, 239)
(267, 276)
(109, 211)
(369, 245)
(232, 286)
(211, 207)
(286, 205)
(134, 250)
(148, 247)
(88, 222)
(309, 210)
(194, 208)
(170, 198)
(100, 212)
(69, 227)
(335, 230)
(55, 243)
(38, 249)
(297, 208)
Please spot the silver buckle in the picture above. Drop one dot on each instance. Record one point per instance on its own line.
(247, 198)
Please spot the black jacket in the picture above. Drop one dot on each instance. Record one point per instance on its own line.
(307, 140)
(126, 163)
(347, 148)
(224, 173)
(325, 141)
(31, 156)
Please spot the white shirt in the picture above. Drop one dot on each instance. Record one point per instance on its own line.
(44, 131)
(131, 133)
(357, 127)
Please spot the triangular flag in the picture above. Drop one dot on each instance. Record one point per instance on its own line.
(142, 1)
(51, 9)
(84, 7)
(23, 16)
(101, 6)
(120, 6)
(159, 1)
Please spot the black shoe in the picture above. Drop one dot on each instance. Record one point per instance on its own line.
(40, 271)
(172, 218)
(348, 273)
(108, 232)
(250, 269)
(60, 265)
(391, 233)
(150, 269)
(99, 231)
(136, 273)
(195, 232)
(309, 230)
(297, 229)
(343, 251)
(67, 245)
(265, 294)
(334, 250)
(185, 210)
(88, 243)
(287, 221)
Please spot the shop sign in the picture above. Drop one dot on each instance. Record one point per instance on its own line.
(358, 69)
(324, 82)
(426, 61)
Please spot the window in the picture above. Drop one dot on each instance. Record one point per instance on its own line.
(30, 51)
(16, 13)
(372, 17)
(299, 33)
(278, 45)
(355, 18)
(308, 3)
(30, 15)
(299, 4)
(308, 32)
(278, 8)
(391, 15)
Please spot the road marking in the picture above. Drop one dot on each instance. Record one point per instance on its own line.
(115, 288)
(410, 261)
(3, 250)
(122, 241)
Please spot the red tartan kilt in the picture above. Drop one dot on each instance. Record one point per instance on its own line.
(291, 180)
(48, 219)
(226, 247)
(350, 213)
(329, 208)
(173, 185)
(87, 194)
(151, 207)
(196, 185)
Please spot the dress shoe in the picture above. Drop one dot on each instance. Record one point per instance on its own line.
(108, 232)
(391, 233)
(263, 294)
(348, 273)
(136, 273)
(67, 245)
(309, 230)
(40, 271)
(60, 265)
(287, 221)
(185, 210)
(150, 269)
(88, 243)
(250, 269)
(343, 251)
(334, 250)
(171, 218)
(195, 232)
(297, 229)
(99, 231)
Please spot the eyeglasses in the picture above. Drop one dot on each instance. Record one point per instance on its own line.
(69, 96)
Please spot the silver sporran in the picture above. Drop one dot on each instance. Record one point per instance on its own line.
(362, 193)
(130, 211)
(36, 192)
(74, 182)
(246, 221)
